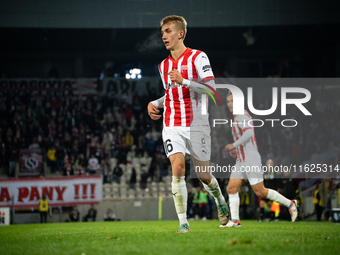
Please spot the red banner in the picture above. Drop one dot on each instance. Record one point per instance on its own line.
(59, 191)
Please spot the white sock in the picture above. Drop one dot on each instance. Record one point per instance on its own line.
(180, 195)
(277, 197)
(214, 189)
(234, 204)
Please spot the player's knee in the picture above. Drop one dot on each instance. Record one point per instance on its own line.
(261, 193)
(178, 169)
(231, 190)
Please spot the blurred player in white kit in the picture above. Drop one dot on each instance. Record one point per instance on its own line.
(248, 166)
(185, 129)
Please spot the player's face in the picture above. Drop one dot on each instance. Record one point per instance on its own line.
(230, 102)
(170, 35)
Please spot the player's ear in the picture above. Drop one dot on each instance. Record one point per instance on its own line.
(180, 34)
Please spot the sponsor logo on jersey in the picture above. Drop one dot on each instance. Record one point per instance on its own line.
(206, 68)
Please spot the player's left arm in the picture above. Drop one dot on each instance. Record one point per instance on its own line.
(248, 132)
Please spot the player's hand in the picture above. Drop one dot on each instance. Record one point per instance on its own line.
(233, 153)
(176, 76)
(229, 147)
(153, 112)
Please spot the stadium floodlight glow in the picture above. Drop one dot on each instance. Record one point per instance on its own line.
(133, 73)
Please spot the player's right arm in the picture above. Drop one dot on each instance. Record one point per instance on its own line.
(153, 108)
(233, 153)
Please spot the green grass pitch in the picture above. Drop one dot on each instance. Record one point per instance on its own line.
(159, 237)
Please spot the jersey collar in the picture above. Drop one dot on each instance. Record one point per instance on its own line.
(176, 60)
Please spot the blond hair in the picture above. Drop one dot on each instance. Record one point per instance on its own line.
(178, 20)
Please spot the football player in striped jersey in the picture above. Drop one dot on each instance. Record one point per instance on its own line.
(248, 166)
(185, 128)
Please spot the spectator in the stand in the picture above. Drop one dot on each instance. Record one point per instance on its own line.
(91, 214)
(151, 142)
(129, 139)
(128, 115)
(80, 170)
(133, 179)
(141, 144)
(106, 145)
(116, 174)
(81, 159)
(74, 214)
(105, 168)
(93, 164)
(114, 150)
(52, 159)
(123, 150)
(136, 106)
(109, 215)
(144, 179)
(18, 131)
(68, 171)
(43, 209)
(99, 153)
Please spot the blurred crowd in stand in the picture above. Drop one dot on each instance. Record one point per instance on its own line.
(78, 134)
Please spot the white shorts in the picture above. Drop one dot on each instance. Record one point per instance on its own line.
(194, 141)
(250, 170)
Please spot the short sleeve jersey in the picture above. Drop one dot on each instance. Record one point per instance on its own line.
(247, 150)
(182, 106)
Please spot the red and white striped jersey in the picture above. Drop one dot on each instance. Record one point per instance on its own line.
(182, 106)
(247, 150)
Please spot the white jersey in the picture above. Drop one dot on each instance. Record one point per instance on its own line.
(182, 106)
(247, 150)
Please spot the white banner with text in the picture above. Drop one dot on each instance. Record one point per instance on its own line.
(59, 191)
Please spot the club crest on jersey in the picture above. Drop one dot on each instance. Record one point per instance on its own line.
(184, 67)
